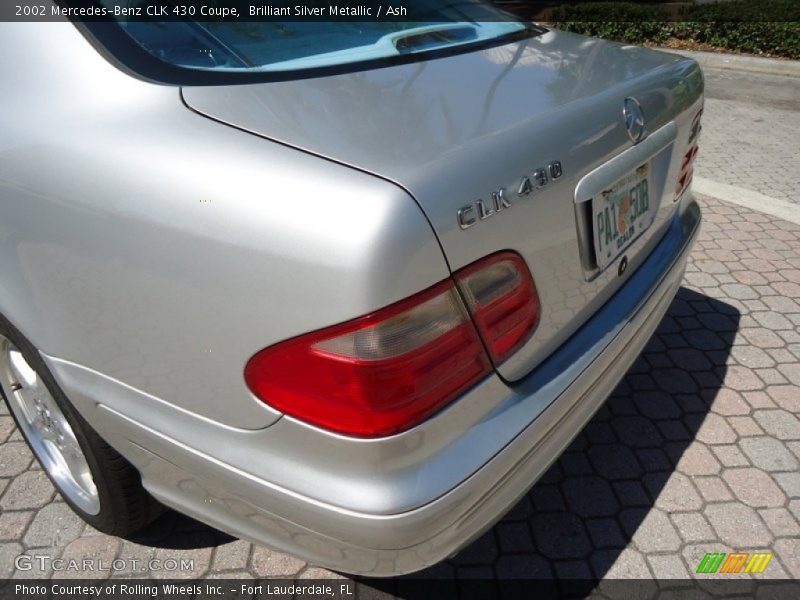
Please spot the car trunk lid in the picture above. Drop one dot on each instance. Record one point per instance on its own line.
(455, 131)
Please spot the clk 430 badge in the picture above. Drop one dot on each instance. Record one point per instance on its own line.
(481, 209)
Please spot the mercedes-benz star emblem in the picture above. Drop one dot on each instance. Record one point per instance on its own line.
(634, 119)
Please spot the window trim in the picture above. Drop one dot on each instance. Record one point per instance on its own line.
(122, 51)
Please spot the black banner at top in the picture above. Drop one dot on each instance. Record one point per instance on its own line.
(233, 11)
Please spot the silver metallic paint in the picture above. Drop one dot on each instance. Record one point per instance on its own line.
(159, 248)
(149, 251)
(563, 394)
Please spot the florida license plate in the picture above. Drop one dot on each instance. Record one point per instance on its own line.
(621, 214)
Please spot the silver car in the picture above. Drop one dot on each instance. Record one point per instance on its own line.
(345, 289)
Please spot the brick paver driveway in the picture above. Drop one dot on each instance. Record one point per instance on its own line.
(698, 450)
(751, 129)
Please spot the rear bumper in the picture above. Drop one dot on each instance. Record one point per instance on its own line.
(568, 388)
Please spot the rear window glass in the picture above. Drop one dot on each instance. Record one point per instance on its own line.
(251, 46)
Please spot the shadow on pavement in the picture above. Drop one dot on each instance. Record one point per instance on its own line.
(175, 531)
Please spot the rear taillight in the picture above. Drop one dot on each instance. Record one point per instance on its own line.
(379, 374)
(503, 302)
(388, 371)
(687, 163)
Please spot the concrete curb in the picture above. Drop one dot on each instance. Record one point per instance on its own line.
(781, 209)
(736, 62)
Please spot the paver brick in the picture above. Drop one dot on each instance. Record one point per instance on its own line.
(590, 497)
(615, 461)
(29, 490)
(768, 454)
(753, 358)
(631, 493)
(761, 337)
(269, 563)
(789, 551)
(14, 458)
(571, 570)
(53, 525)
(754, 487)
(628, 564)
(758, 399)
(779, 423)
(698, 460)
(713, 489)
(791, 370)
(667, 566)
(606, 533)
(515, 537)
(8, 553)
(231, 556)
(547, 498)
(715, 430)
(6, 427)
(740, 378)
(745, 426)
(655, 532)
(560, 535)
(693, 527)
(738, 525)
(657, 405)
(789, 482)
(729, 403)
(513, 566)
(780, 522)
(773, 320)
(794, 447)
(13, 524)
(730, 456)
(99, 550)
(675, 494)
(771, 376)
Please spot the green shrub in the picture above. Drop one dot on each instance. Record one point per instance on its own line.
(767, 27)
(745, 11)
(622, 21)
(598, 12)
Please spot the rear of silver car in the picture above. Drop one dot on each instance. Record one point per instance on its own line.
(297, 206)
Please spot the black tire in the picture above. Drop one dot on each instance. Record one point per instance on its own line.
(125, 506)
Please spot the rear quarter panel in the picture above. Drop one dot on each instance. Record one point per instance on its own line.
(161, 249)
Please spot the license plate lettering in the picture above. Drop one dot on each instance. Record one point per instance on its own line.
(621, 214)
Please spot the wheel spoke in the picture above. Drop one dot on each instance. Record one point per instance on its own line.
(47, 429)
(23, 373)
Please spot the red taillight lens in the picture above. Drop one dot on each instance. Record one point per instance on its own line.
(502, 299)
(377, 375)
(687, 164)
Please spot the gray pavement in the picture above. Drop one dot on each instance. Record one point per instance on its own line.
(697, 450)
(751, 133)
